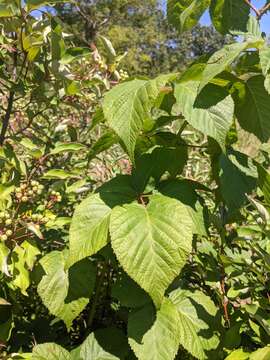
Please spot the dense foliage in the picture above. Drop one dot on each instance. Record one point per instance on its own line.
(134, 224)
(140, 30)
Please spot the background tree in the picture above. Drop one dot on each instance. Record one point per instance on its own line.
(142, 30)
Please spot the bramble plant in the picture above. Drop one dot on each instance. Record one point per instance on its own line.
(134, 224)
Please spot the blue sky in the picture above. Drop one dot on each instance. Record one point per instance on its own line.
(265, 22)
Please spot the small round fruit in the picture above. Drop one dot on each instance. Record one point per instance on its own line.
(30, 192)
(39, 192)
(35, 188)
(39, 217)
(23, 186)
(24, 199)
(3, 237)
(33, 183)
(9, 233)
(40, 187)
(19, 195)
(8, 222)
(7, 216)
(54, 193)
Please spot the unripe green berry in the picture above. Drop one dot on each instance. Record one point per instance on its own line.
(39, 192)
(35, 188)
(3, 237)
(9, 233)
(53, 192)
(30, 192)
(40, 187)
(34, 217)
(8, 222)
(23, 186)
(24, 199)
(7, 216)
(19, 195)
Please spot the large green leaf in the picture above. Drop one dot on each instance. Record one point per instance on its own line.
(212, 115)
(65, 292)
(128, 293)
(89, 228)
(152, 245)
(220, 60)
(264, 54)
(50, 351)
(261, 354)
(127, 106)
(90, 349)
(197, 321)
(237, 178)
(161, 341)
(238, 354)
(184, 14)
(184, 191)
(229, 15)
(253, 108)
(264, 183)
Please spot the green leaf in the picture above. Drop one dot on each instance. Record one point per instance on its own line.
(90, 349)
(106, 141)
(212, 114)
(35, 4)
(184, 191)
(73, 54)
(261, 354)
(20, 272)
(161, 341)
(184, 14)
(89, 228)
(253, 108)
(264, 183)
(4, 252)
(6, 10)
(67, 147)
(170, 157)
(58, 174)
(197, 319)
(129, 293)
(127, 107)
(238, 354)
(236, 179)
(229, 15)
(220, 60)
(65, 292)
(50, 351)
(152, 245)
(264, 54)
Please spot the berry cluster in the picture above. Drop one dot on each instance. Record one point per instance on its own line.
(5, 224)
(55, 196)
(123, 74)
(26, 192)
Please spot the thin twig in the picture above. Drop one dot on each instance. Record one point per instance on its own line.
(257, 11)
(264, 10)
